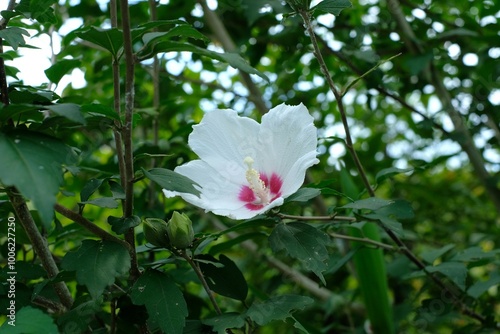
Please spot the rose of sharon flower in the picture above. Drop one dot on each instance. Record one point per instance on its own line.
(246, 168)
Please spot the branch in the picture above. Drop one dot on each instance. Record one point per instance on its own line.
(128, 204)
(363, 240)
(318, 218)
(91, 227)
(40, 245)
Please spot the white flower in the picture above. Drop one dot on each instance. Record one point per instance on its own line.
(246, 168)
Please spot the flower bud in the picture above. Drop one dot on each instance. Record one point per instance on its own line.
(180, 230)
(155, 232)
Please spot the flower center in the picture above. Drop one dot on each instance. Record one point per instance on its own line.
(261, 190)
(256, 184)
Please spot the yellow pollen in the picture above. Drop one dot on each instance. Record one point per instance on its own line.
(256, 184)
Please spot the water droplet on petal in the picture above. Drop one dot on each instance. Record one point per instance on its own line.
(17, 141)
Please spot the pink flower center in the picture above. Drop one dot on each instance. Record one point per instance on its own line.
(261, 189)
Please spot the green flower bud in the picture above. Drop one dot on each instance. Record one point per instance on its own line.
(180, 230)
(155, 231)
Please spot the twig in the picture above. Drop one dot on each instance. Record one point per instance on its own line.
(363, 240)
(319, 218)
(91, 227)
(128, 204)
(202, 279)
(40, 245)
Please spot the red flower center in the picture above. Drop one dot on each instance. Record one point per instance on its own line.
(257, 198)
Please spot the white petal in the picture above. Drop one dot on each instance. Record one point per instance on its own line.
(288, 139)
(218, 193)
(223, 140)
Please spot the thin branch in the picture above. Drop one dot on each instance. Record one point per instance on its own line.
(40, 245)
(91, 227)
(333, 217)
(202, 279)
(324, 69)
(363, 240)
(128, 204)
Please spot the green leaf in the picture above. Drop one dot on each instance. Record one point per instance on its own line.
(109, 39)
(277, 308)
(116, 190)
(371, 203)
(304, 243)
(432, 255)
(57, 71)
(40, 10)
(226, 280)
(478, 288)
(389, 172)
(225, 321)
(120, 225)
(79, 317)
(332, 6)
(103, 202)
(69, 110)
(473, 254)
(171, 180)
(97, 264)
(30, 320)
(303, 195)
(163, 300)
(89, 188)
(456, 271)
(32, 163)
(14, 36)
(100, 109)
(183, 30)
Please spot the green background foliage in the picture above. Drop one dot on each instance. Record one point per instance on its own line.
(419, 82)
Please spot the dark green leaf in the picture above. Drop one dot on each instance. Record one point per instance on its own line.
(456, 271)
(303, 195)
(171, 180)
(277, 308)
(163, 300)
(371, 203)
(109, 39)
(432, 255)
(388, 172)
(14, 36)
(89, 188)
(184, 30)
(69, 110)
(478, 288)
(32, 163)
(332, 6)
(473, 254)
(120, 225)
(103, 202)
(225, 321)
(227, 279)
(97, 264)
(30, 320)
(79, 317)
(116, 190)
(303, 242)
(40, 10)
(60, 69)
(100, 109)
